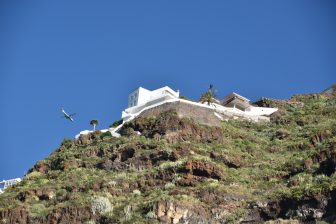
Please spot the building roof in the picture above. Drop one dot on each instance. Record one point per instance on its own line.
(233, 94)
(236, 99)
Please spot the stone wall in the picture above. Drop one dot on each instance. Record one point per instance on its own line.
(202, 115)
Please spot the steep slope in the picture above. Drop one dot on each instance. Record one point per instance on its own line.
(179, 171)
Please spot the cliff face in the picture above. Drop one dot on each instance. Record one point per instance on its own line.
(180, 170)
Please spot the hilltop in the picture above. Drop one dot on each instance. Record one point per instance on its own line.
(182, 170)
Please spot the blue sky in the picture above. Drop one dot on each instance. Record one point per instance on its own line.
(86, 56)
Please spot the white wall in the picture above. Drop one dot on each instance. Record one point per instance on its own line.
(144, 96)
(138, 97)
(260, 110)
(164, 91)
(129, 112)
(141, 95)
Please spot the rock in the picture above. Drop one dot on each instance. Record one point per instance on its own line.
(106, 165)
(124, 155)
(47, 195)
(17, 215)
(158, 156)
(170, 213)
(320, 136)
(203, 169)
(85, 139)
(64, 215)
(327, 160)
(232, 162)
(282, 133)
(173, 128)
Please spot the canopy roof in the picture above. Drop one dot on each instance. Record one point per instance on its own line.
(236, 100)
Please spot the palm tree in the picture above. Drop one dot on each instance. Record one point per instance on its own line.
(94, 122)
(209, 96)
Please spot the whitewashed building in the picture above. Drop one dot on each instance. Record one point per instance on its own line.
(8, 183)
(239, 102)
(142, 98)
(233, 106)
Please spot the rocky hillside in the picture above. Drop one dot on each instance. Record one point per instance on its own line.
(181, 171)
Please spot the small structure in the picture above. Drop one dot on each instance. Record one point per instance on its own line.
(142, 96)
(236, 101)
(8, 183)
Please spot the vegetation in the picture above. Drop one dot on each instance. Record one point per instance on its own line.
(209, 96)
(101, 205)
(184, 98)
(94, 123)
(116, 123)
(253, 167)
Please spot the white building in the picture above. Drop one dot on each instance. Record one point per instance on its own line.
(8, 183)
(142, 98)
(233, 105)
(239, 102)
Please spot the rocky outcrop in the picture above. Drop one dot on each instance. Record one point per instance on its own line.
(267, 102)
(169, 212)
(231, 161)
(326, 160)
(172, 128)
(308, 209)
(201, 115)
(203, 169)
(17, 215)
(88, 138)
(20, 215)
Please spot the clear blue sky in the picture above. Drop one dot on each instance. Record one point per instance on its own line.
(86, 56)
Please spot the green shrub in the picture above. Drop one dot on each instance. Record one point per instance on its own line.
(38, 211)
(67, 143)
(101, 205)
(116, 123)
(61, 194)
(137, 192)
(105, 135)
(33, 175)
(184, 98)
(169, 185)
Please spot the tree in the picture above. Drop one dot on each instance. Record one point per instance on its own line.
(94, 122)
(209, 96)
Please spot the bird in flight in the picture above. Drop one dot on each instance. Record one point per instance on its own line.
(68, 116)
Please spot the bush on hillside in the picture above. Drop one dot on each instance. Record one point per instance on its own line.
(101, 205)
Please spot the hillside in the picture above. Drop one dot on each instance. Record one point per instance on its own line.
(181, 171)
